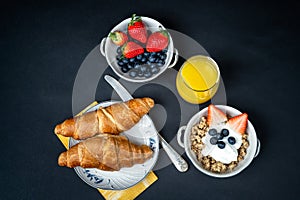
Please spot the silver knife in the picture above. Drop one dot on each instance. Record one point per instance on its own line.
(180, 164)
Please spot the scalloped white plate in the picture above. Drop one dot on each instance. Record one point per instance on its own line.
(142, 133)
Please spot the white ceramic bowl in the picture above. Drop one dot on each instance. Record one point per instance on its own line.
(109, 50)
(185, 133)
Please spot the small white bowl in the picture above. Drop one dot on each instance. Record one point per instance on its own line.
(109, 50)
(252, 150)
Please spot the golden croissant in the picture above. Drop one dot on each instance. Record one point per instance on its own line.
(113, 119)
(105, 152)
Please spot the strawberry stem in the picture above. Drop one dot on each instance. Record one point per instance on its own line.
(134, 19)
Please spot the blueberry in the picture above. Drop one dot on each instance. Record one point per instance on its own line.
(225, 132)
(146, 54)
(157, 60)
(144, 59)
(219, 136)
(137, 66)
(154, 70)
(133, 73)
(119, 50)
(140, 74)
(163, 57)
(120, 63)
(147, 74)
(213, 140)
(161, 61)
(221, 144)
(153, 54)
(148, 62)
(212, 132)
(125, 60)
(130, 65)
(143, 68)
(152, 65)
(160, 64)
(158, 54)
(231, 140)
(139, 57)
(132, 60)
(165, 51)
(124, 69)
(152, 59)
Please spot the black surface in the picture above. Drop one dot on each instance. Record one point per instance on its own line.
(43, 44)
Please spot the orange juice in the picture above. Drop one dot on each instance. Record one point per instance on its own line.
(198, 79)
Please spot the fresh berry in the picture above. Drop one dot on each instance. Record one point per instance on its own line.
(119, 50)
(139, 57)
(213, 140)
(157, 41)
(133, 73)
(137, 29)
(219, 136)
(160, 65)
(125, 60)
(221, 144)
(215, 115)
(124, 69)
(212, 132)
(154, 70)
(131, 49)
(120, 63)
(225, 132)
(231, 140)
(238, 123)
(146, 54)
(118, 37)
(152, 59)
(147, 74)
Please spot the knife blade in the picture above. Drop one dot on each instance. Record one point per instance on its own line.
(180, 164)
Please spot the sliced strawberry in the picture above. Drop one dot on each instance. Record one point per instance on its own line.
(157, 41)
(132, 49)
(215, 115)
(118, 37)
(137, 29)
(238, 123)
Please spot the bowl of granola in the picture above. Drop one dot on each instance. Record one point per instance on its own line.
(219, 140)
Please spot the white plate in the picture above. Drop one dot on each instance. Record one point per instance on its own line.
(142, 133)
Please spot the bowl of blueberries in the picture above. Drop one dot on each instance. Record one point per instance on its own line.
(139, 49)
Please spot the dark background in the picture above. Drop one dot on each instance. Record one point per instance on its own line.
(43, 44)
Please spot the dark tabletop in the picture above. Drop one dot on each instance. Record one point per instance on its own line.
(256, 45)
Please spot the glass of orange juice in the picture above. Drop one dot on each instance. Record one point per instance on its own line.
(198, 79)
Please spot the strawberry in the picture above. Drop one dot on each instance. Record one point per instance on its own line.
(137, 29)
(131, 49)
(215, 115)
(238, 123)
(118, 37)
(157, 41)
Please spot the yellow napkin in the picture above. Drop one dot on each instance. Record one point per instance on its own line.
(127, 194)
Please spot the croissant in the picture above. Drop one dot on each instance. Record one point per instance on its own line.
(105, 152)
(113, 119)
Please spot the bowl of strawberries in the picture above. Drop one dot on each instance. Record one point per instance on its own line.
(139, 49)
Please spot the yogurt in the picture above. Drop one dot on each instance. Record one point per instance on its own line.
(229, 153)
